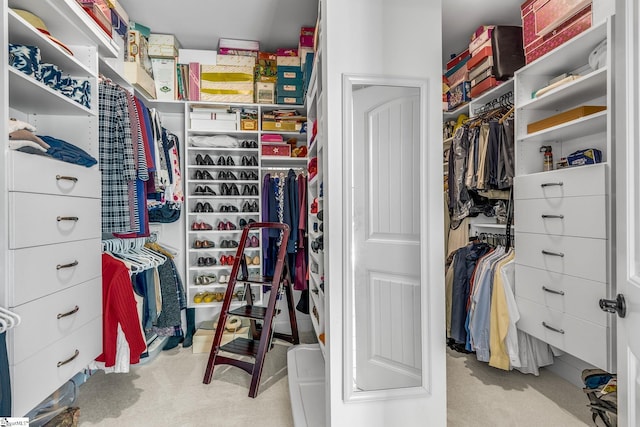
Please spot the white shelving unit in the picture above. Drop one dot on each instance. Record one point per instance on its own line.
(561, 213)
(59, 301)
(225, 208)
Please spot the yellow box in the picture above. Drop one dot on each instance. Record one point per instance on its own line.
(226, 73)
(282, 126)
(248, 124)
(564, 117)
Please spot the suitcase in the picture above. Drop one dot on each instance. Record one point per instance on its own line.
(508, 53)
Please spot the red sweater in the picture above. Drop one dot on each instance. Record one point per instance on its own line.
(119, 307)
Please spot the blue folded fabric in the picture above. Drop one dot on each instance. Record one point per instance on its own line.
(67, 152)
(50, 75)
(25, 58)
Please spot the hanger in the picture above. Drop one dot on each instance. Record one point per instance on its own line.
(9, 318)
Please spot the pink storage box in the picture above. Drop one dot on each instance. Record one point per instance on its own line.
(568, 30)
(287, 52)
(541, 17)
(271, 137)
(480, 37)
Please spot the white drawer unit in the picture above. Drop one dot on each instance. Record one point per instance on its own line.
(39, 219)
(37, 174)
(35, 378)
(577, 181)
(49, 319)
(585, 340)
(566, 294)
(575, 256)
(43, 270)
(582, 216)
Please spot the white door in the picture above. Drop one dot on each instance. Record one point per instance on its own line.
(627, 173)
(386, 237)
(393, 312)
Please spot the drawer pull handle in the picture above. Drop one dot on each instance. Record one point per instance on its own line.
(66, 178)
(560, 254)
(64, 362)
(545, 216)
(67, 218)
(61, 266)
(551, 328)
(68, 313)
(552, 291)
(552, 184)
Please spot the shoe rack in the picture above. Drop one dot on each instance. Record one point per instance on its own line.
(223, 195)
(315, 118)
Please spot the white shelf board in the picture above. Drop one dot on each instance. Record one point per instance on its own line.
(31, 96)
(590, 86)
(69, 23)
(453, 114)
(284, 161)
(490, 95)
(588, 125)
(24, 33)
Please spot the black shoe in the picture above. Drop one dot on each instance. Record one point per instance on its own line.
(222, 175)
(253, 161)
(254, 190)
(208, 191)
(246, 191)
(207, 176)
(242, 223)
(254, 207)
(246, 207)
(231, 176)
(221, 161)
(224, 189)
(198, 190)
(232, 208)
(199, 207)
(198, 175)
(245, 161)
(199, 160)
(230, 161)
(233, 190)
(207, 207)
(243, 176)
(208, 160)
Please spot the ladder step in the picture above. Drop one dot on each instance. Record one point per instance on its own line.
(242, 346)
(265, 281)
(251, 311)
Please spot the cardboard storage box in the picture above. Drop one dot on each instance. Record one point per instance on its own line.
(281, 126)
(265, 93)
(236, 60)
(564, 117)
(249, 124)
(272, 149)
(163, 46)
(458, 95)
(164, 76)
(137, 76)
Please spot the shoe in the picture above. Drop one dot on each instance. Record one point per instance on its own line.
(199, 160)
(198, 175)
(246, 207)
(230, 161)
(242, 223)
(245, 161)
(243, 176)
(199, 207)
(254, 190)
(209, 191)
(223, 260)
(233, 190)
(197, 298)
(254, 207)
(198, 190)
(256, 260)
(231, 176)
(207, 176)
(197, 244)
(224, 189)
(246, 191)
(224, 244)
(233, 244)
(223, 278)
(208, 244)
(320, 215)
(222, 175)
(232, 208)
(209, 261)
(207, 207)
(221, 161)
(254, 242)
(201, 261)
(208, 297)
(230, 226)
(254, 144)
(253, 161)
(208, 160)
(221, 225)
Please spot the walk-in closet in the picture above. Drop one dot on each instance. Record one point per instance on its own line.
(314, 213)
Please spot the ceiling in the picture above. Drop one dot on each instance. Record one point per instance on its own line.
(198, 24)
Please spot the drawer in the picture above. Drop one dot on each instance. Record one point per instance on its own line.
(575, 256)
(43, 270)
(584, 216)
(49, 319)
(41, 219)
(582, 339)
(588, 180)
(39, 174)
(566, 294)
(38, 376)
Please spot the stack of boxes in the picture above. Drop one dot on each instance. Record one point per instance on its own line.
(214, 119)
(549, 24)
(163, 51)
(456, 79)
(481, 73)
(100, 12)
(231, 79)
(266, 77)
(290, 85)
(137, 63)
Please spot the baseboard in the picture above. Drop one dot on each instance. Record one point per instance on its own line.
(569, 368)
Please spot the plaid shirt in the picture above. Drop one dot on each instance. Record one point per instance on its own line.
(116, 157)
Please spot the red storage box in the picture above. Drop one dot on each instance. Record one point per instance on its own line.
(568, 30)
(457, 59)
(483, 86)
(477, 59)
(271, 149)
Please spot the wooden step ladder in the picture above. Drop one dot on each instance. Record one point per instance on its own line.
(261, 333)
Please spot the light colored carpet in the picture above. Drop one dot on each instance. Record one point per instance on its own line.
(481, 396)
(169, 392)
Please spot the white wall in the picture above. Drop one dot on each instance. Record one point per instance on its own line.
(400, 38)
